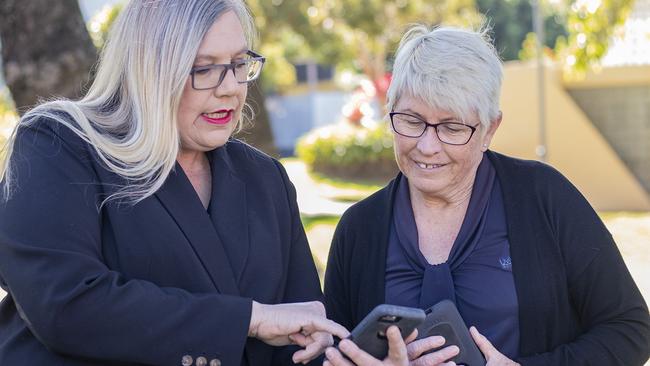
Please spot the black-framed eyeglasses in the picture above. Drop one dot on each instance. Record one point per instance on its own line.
(448, 132)
(211, 76)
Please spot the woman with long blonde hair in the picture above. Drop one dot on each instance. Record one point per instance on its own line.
(135, 230)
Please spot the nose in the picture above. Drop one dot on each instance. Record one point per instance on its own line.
(229, 85)
(429, 143)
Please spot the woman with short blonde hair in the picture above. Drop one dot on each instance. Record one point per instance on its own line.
(512, 243)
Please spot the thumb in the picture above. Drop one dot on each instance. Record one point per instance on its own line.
(483, 343)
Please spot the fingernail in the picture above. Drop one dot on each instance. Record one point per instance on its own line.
(454, 350)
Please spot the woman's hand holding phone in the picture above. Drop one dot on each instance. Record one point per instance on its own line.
(397, 354)
(419, 355)
(492, 355)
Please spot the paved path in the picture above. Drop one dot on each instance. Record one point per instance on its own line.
(315, 198)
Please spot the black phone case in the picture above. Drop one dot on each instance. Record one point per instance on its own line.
(370, 334)
(444, 320)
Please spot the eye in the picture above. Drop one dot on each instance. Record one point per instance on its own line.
(201, 71)
(452, 127)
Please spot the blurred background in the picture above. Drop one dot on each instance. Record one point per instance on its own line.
(576, 92)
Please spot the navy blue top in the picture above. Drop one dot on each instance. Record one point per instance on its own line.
(477, 276)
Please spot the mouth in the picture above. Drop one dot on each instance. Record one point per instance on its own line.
(427, 166)
(220, 117)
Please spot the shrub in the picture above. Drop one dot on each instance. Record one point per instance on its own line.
(8, 118)
(100, 24)
(350, 152)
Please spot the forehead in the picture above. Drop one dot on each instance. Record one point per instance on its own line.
(224, 39)
(418, 106)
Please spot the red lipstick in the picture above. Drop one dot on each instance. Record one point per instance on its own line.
(222, 120)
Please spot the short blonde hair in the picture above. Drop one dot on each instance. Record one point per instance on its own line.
(451, 69)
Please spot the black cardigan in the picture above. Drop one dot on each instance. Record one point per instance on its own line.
(578, 304)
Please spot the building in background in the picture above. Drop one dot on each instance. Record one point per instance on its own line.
(597, 128)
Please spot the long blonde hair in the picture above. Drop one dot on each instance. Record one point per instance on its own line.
(129, 114)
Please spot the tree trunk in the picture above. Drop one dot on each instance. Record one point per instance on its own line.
(46, 50)
(259, 134)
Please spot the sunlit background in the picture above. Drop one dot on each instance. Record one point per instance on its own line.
(578, 99)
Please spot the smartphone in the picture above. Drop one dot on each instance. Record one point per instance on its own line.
(443, 319)
(370, 334)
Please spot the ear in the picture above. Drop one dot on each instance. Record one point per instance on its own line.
(494, 125)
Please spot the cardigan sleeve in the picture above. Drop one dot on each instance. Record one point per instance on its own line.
(612, 314)
(337, 300)
(51, 261)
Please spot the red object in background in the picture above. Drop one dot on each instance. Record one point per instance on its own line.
(381, 85)
(363, 96)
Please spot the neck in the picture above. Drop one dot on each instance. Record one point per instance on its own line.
(456, 196)
(191, 159)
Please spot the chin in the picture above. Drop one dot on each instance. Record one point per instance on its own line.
(218, 144)
(427, 185)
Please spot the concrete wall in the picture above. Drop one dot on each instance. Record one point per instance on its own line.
(620, 109)
(575, 146)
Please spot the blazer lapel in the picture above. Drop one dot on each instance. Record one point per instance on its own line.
(181, 201)
(228, 210)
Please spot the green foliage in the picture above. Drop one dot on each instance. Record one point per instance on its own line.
(347, 151)
(511, 22)
(280, 43)
(351, 34)
(279, 74)
(529, 48)
(100, 23)
(6, 103)
(8, 117)
(361, 34)
(591, 24)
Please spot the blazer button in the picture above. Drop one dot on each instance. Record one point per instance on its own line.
(201, 361)
(215, 362)
(187, 360)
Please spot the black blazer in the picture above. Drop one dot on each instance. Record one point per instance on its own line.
(146, 283)
(578, 304)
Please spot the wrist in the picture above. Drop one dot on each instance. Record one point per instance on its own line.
(254, 324)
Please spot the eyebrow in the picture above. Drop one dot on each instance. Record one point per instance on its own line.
(212, 58)
(416, 114)
(412, 112)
